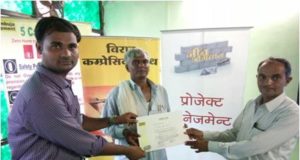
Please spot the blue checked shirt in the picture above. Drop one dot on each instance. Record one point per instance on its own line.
(45, 122)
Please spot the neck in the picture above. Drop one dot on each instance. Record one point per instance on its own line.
(61, 74)
(267, 99)
(142, 83)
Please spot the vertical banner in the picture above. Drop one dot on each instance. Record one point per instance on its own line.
(102, 67)
(203, 71)
(5, 150)
(19, 59)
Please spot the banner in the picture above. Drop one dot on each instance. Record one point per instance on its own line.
(203, 71)
(19, 57)
(102, 67)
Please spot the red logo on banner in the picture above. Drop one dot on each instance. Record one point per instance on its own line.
(28, 51)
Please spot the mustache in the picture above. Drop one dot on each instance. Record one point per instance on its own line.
(66, 58)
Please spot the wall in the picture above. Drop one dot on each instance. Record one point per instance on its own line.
(127, 18)
(275, 32)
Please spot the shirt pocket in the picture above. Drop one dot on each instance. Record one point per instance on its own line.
(72, 103)
(158, 108)
(255, 131)
(261, 126)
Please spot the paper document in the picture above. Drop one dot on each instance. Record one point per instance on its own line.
(159, 131)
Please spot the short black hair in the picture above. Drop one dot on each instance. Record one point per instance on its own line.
(47, 25)
(286, 63)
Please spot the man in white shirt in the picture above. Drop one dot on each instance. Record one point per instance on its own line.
(267, 128)
(140, 96)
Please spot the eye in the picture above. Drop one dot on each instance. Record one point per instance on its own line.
(73, 46)
(261, 77)
(276, 77)
(145, 61)
(135, 62)
(56, 46)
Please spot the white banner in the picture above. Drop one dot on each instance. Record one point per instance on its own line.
(203, 71)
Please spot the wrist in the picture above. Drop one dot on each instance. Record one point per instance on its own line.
(125, 132)
(112, 120)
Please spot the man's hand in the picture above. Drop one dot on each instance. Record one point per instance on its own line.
(131, 137)
(198, 145)
(194, 134)
(128, 117)
(135, 153)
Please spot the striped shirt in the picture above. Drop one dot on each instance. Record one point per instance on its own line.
(45, 122)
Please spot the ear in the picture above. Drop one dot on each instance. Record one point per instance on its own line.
(38, 47)
(288, 80)
(126, 66)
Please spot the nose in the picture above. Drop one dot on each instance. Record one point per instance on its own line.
(268, 81)
(66, 52)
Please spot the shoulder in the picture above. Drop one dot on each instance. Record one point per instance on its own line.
(249, 106)
(33, 86)
(287, 109)
(290, 106)
(114, 91)
(160, 87)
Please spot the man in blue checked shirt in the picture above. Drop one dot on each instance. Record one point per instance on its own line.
(45, 121)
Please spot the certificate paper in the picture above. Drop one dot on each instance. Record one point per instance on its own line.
(162, 130)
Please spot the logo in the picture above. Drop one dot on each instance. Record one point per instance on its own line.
(28, 51)
(12, 95)
(10, 66)
(204, 57)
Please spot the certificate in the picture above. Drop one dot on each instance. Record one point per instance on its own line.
(162, 130)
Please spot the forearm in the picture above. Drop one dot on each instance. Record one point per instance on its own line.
(226, 136)
(92, 124)
(112, 149)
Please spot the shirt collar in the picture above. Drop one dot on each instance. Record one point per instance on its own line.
(134, 86)
(274, 103)
(61, 82)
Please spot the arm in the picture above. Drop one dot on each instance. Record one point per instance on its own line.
(228, 135)
(92, 124)
(131, 152)
(280, 132)
(225, 136)
(51, 120)
(283, 128)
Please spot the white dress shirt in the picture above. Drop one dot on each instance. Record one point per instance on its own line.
(261, 132)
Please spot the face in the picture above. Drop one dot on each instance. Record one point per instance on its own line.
(138, 67)
(271, 79)
(59, 52)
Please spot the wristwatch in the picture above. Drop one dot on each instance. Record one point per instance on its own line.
(112, 120)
